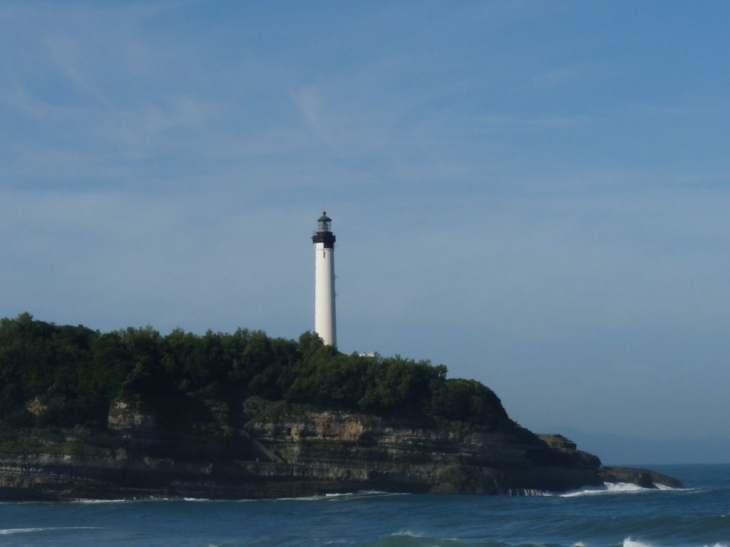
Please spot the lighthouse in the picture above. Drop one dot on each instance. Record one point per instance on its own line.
(324, 281)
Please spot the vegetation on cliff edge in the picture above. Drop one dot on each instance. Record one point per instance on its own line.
(66, 376)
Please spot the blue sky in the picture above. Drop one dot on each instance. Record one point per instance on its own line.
(532, 193)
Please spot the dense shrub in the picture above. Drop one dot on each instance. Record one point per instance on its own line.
(63, 376)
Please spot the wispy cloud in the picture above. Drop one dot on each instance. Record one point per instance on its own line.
(152, 127)
(18, 99)
(65, 52)
(311, 106)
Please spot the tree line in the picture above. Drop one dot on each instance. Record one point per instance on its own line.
(67, 376)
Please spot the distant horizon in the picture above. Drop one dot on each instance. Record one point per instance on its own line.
(625, 450)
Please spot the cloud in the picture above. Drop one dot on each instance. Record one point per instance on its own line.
(152, 128)
(311, 106)
(65, 54)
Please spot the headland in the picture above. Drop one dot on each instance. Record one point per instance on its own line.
(130, 414)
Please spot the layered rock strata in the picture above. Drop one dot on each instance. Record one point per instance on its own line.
(284, 454)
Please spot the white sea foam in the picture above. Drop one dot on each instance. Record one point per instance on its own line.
(11, 531)
(128, 500)
(623, 488)
(626, 487)
(342, 496)
(208, 500)
(628, 542)
(407, 533)
(156, 499)
(91, 502)
(665, 487)
(303, 498)
(608, 488)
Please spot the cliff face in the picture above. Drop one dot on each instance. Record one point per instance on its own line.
(280, 453)
(411, 457)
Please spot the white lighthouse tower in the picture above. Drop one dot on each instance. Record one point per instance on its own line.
(324, 281)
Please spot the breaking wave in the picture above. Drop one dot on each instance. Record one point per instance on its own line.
(13, 531)
(362, 494)
(617, 488)
(612, 515)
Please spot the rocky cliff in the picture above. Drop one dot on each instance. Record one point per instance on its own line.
(282, 453)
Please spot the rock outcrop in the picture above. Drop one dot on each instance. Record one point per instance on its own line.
(640, 477)
(131, 415)
(280, 453)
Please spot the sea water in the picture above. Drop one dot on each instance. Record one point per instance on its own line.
(615, 515)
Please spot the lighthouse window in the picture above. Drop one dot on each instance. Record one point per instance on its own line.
(323, 223)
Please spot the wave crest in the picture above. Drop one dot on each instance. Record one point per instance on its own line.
(616, 488)
(12, 531)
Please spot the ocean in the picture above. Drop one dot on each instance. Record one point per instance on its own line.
(613, 516)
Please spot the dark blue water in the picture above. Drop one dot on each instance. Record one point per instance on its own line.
(620, 516)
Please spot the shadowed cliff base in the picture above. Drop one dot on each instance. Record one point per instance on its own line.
(289, 453)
